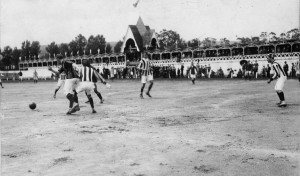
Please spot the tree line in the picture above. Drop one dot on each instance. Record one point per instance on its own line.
(167, 39)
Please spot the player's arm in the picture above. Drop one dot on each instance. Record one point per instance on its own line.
(54, 71)
(98, 75)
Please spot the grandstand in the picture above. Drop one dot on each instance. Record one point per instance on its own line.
(141, 38)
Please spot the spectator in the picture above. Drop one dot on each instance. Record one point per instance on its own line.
(255, 69)
(182, 68)
(286, 68)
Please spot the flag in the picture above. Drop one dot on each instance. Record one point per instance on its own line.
(135, 4)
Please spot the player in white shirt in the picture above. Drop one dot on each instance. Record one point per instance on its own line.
(60, 82)
(281, 77)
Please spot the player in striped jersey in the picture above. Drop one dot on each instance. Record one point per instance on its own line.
(88, 74)
(146, 73)
(281, 77)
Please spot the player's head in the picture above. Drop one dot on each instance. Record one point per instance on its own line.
(59, 58)
(270, 58)
(85, 62)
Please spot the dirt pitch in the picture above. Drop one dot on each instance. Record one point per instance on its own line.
(216, 127)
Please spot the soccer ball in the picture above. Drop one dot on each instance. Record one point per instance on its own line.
(32, 106)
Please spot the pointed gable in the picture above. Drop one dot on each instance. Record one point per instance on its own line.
(141, 27)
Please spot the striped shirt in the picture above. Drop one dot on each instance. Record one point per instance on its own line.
(145, 66)
(278, 71)
(86, 74)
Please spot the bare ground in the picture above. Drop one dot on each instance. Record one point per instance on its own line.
(216, 127)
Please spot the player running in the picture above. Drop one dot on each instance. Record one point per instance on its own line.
(193, 72)
(60, 82)
(94, 79)
(72, 74)
(281, 77)
(146, 73)
(87, 75)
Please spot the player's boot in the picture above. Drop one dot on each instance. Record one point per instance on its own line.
(141, 96)
(147, 93)
(278, 103)
(282, 104)
(101, 101)
(94, 111)
(77, 108)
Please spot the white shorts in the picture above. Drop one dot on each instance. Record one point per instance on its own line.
(85, 86)
(280, 83)
(70, 85)
(147, 78)
(60, 82)
(193, 76)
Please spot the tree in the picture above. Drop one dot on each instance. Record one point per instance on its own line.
(94, 44)
(209, 42)
(272, 37)
(52, 49)
(282, 37)
(64, 49)
(117, 48)
(81, 43)
(263, 37)
(25, 50)
(7, 56)
(73, 48)
(108, 48)
(244, 41)
(35, 49)
(194, 43)
(170, 39)
(224, 42)
(16, 54)
(255, 40)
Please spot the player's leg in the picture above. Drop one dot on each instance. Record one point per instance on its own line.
(150, 78)
(88, 93)
(143, 80)
(1, 84)
(98, 93)
(70, 86)
(279, 90)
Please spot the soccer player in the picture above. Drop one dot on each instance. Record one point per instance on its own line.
(87, 83)
(146, 73)
(35, 76)
(281, 77)
(94, 80)
(60, 82)
(72, 74)
(193, 72)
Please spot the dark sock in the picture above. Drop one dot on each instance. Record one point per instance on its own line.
(71, 99)
(281, 96)
(55, 91)
(142, 89)
(98, 94)
(150, 86)
(75, 97)
(91, 101)
(278, 96)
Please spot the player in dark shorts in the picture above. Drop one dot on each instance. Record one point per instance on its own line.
(72, 78)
